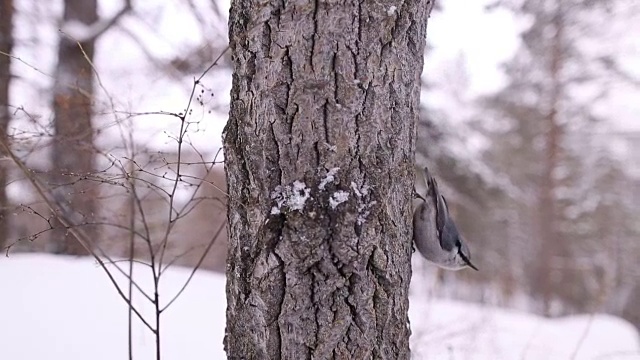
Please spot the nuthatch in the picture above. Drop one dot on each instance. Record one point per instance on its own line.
(441, 245)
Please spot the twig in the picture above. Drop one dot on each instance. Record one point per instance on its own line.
(583, 337)
(67, 224)
(132, 238)
(193, 272)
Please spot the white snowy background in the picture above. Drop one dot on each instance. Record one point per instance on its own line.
(58, 307)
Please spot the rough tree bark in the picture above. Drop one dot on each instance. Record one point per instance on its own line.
(319, 156)
(6, 46)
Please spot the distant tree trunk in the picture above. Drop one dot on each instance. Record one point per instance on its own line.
(73, 153)
(319, 155)
(551, 242)
(6, 46)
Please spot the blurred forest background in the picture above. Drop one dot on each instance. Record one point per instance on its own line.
(108, 121)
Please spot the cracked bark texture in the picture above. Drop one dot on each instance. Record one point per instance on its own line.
(323, 108)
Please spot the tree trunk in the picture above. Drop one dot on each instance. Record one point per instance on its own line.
(73, 152)
(319, 155)
(6, 46)
(550, 244)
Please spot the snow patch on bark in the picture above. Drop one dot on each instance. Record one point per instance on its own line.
(329, 178)
(338, 198)
(364, 206)
(292, 197)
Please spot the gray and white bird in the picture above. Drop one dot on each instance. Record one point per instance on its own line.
(434, 232)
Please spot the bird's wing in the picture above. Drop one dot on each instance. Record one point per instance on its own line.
(449, 236)
(441, 206)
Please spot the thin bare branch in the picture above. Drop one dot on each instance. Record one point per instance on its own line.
(93, 31)
(193, 272)
(59, 214)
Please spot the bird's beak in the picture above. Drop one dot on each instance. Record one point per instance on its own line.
(468, 262)
(472, 266)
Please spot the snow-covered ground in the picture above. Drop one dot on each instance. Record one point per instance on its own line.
(56, 307)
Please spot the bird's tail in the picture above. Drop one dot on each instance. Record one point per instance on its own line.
(426, 180)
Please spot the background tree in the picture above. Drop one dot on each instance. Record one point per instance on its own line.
(73, 151)
(549, 117)
(319, 155)
(6, 46)
(547, 136)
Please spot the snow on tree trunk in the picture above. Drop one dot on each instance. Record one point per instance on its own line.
(319, 155)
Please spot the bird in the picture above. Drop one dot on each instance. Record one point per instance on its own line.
(435, 234)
